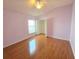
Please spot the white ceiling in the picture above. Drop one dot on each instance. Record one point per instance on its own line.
(24, 7)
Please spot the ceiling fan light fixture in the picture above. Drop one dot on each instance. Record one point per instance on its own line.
(39, 4)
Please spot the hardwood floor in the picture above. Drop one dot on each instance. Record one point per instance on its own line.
(46, 48)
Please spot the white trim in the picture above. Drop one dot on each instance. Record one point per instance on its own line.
(60, 38)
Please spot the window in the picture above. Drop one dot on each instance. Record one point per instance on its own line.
(32, 46)
(31, 26)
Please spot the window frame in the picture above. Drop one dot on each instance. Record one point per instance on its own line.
(29, 26)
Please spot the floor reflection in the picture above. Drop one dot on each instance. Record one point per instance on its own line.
(32, 46)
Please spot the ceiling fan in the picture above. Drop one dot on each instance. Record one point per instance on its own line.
(39, 4)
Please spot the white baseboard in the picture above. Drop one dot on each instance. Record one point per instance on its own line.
(60, 38)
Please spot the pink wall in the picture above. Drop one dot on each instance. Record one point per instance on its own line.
(72, 33)
(49, 27)
(15, 27)
(61, 22)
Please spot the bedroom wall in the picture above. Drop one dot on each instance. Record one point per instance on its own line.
(72, 34)
(60, 22)
(50, 27)
(15, 27)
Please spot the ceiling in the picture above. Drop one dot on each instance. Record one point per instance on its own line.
(24, 6)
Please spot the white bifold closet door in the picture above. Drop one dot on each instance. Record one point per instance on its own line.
(41, 26)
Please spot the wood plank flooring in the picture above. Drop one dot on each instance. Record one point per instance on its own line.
(46, 48)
